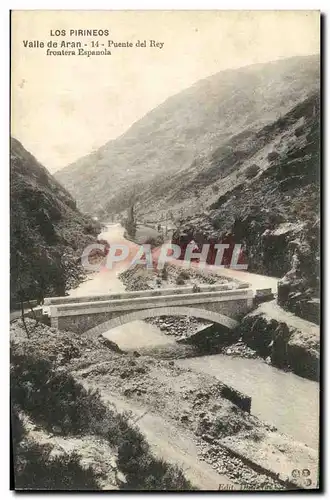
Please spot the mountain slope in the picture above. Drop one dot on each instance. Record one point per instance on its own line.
(272, 207)
(175, 137)
(47, 231)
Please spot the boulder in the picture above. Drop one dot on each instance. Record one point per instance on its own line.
(238, 398)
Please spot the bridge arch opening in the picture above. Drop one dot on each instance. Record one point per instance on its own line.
(119, 320)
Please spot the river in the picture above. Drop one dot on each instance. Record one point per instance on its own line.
(283, 399)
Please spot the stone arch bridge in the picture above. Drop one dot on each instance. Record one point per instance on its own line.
(94, 315)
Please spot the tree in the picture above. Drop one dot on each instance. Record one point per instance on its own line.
(130, 223)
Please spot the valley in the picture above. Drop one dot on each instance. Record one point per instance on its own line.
(212, 390)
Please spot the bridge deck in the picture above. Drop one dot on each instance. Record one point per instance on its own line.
(144, 293)
(148, 301)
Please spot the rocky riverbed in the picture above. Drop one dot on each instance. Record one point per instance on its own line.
(194, 332)
(171, 276)
(183, 329)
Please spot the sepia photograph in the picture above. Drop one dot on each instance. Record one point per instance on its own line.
(165, 180)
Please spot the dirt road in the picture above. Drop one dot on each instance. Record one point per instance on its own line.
(169, 443)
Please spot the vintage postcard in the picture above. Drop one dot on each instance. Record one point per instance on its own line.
(165, 250)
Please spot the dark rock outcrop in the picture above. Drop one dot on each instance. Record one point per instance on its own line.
(236, 397)
(299, 289)
(109, 344)
(274, 216)
(288, 341)
(211, 338)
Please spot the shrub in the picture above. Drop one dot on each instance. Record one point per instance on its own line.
(144, 472)
(180, 281)
(184, 275)
(103, 242)
(17, 428)
(256, 436)
(131, 448)
(215, 188)
(154, 241)
(252, 171)
(36, 469)
(273, 156)
(55, 400)
(299, 131)
(164, 273)
(91, 228)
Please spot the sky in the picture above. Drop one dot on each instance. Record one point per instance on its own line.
(64, 107)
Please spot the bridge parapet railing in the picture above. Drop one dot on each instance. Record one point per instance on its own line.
(144, 293)
(149, 302)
